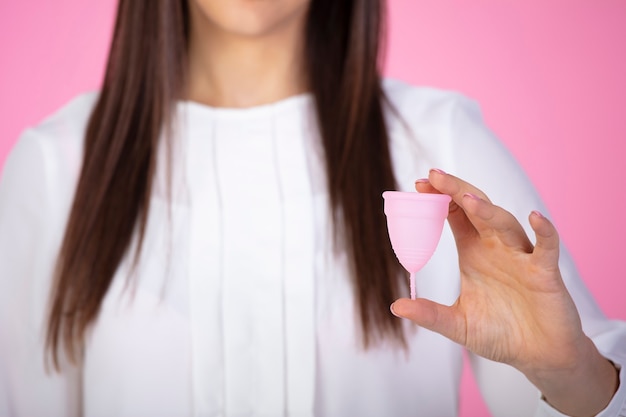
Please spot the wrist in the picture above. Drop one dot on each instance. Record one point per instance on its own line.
(583, 389)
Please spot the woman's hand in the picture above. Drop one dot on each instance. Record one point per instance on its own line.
(513, 306)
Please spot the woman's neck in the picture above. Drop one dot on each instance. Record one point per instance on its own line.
(233, 70)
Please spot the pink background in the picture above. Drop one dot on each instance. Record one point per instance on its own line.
(551, 78)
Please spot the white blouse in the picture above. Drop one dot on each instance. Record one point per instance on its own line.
(241, 305)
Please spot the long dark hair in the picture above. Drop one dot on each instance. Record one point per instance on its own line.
(145, 76)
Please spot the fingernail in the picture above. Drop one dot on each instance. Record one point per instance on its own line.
(421, 181)
(392, 311)
(538, 214)
(472, 196)
(439, 171)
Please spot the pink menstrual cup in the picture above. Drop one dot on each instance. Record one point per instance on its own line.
(415, 222)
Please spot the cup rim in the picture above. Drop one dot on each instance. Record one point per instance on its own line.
(415, 196)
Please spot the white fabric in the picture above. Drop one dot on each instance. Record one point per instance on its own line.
(240, 305)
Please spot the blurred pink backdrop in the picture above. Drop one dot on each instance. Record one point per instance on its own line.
(551, 78)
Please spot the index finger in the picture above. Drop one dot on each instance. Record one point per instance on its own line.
(486, 218)
(453, 186)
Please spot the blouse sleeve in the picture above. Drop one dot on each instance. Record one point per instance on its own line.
(27, 257)
(481, 159)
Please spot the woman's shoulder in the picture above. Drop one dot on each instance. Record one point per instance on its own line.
(50, 152)
(59, 137)
(69, 121)
(445, 129)
(438, 121)
(419, 105)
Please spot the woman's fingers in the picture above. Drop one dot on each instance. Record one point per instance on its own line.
(424, 186)
(486, 218)
(461, 227)
(491, 220)
(453, 186)
(546, 252)
(439, 318)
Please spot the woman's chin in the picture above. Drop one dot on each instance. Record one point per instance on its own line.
(252, 18)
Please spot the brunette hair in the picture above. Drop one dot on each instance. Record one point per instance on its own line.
(145, 76)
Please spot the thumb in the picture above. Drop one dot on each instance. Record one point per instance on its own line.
(447, 321)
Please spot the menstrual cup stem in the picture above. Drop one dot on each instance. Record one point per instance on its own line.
(412, 285)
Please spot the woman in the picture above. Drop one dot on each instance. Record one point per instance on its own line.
(208, 233)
